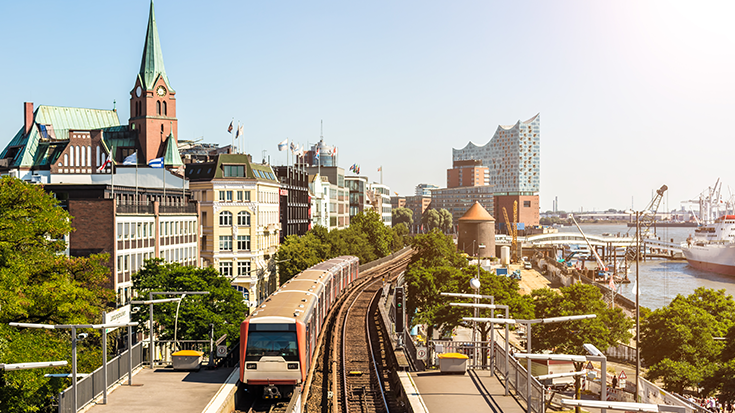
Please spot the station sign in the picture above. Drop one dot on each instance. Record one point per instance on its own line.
(120, 316)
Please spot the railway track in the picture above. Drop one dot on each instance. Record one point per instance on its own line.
(351, 373)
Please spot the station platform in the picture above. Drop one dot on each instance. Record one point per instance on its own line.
(165, 390)
(475, 391)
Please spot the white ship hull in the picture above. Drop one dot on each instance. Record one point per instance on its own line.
(714, 257)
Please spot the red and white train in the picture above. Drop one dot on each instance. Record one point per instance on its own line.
(280, 336)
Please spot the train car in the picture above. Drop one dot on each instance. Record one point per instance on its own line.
(279, 338)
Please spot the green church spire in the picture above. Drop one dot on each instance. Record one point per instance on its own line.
(151, 66)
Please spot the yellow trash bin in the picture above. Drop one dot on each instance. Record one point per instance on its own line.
(453, 363)
(187, 359)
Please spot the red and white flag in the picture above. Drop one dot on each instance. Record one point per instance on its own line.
(104, 165)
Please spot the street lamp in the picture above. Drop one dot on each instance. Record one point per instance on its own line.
(638, 215)
(491, 307)
(36, 365)
(74, 339)
(150, 303)
(528, 324)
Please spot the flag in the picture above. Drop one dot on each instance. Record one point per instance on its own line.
(229, 128)
(131, 160)
(380, 168)
(395, 192)
(334, 152)
(294, 148)
(612, 282)
(104, 164)
(316, 154)
(239, 131)
(358, 170)
(283, 145)
(156, 163)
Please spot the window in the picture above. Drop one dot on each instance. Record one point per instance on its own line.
(234, 170)
(243, 269)
(228, 196)
(225, 218)
(225, 242)
(158, 108)
(225, 268)
(527, 204)
(239, 196)
(221, 195)
(119, 230)
(243, 243)
(243, 219)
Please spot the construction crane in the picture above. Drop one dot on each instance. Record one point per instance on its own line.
(512, 231)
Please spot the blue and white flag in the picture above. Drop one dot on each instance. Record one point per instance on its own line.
(131, 160)
(156, 162)
(283, 145)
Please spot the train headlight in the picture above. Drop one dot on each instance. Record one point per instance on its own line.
(251, 366)
(293, 366)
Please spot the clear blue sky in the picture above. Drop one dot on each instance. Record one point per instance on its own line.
(632, 94)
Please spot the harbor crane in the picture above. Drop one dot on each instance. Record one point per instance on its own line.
(512, 231)
(647, 221)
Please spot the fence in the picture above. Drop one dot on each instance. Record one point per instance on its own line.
(90, 387)
(621, 353)
(517, 376)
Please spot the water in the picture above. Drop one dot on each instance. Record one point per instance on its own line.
(661, 280)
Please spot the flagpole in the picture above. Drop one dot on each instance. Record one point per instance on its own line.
(137, 197)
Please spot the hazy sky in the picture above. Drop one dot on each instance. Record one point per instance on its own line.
(632, 94)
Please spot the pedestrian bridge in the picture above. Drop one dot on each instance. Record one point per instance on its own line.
(569, 238)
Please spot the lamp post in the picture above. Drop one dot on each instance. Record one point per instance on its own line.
(150, 303)
(74, 340)
(638, 215)
(528, 324)
(492, 308)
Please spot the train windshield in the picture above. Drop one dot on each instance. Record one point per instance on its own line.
(277, 340)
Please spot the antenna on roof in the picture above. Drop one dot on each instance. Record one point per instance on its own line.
(321, 133)
(113, 105)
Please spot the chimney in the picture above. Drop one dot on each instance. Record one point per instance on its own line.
(28, 116)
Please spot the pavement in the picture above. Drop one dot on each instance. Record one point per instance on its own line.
(165, 390)
(476, 391)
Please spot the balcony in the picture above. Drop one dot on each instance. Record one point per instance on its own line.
(143, 208)
(190, 208)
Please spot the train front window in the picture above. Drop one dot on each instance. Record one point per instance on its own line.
(263, 341)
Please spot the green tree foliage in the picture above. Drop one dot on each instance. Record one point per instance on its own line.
(298, 253)
(431, 219)
(437, 267)
(677, 340)
(402, 216)
(223, 306)
(446, 220)
(367, 238)
(38, 285)
(610, 326)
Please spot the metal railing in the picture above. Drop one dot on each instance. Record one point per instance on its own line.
(90, 387)
(135, 208)
(517, 375)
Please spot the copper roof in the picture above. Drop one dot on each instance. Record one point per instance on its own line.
(477, 213)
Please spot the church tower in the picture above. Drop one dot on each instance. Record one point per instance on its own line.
(153, 101)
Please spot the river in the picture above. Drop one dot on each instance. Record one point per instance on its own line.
(662, 280)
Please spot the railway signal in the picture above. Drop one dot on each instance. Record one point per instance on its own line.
(400, 313)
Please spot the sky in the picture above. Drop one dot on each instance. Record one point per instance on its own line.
(632, 94)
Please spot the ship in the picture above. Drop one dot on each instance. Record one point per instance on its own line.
(712, 248)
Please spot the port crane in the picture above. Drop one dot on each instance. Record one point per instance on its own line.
(648, 220)
(512, 231)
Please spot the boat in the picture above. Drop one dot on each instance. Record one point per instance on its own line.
(712, 248)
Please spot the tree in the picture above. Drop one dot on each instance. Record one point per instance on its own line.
(431, 219)
(223, 306)
(677, 340)
(299, 253)
(446, 220)
(370, 224)
(402, 216)
(38, 285)
(610, 326)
